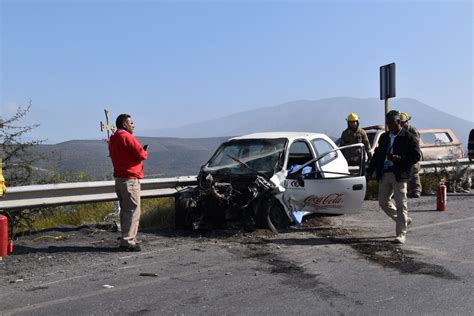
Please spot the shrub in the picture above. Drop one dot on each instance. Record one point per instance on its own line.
(372, 190)
(429, 183)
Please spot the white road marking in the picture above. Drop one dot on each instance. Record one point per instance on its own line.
(105, 263)
(67, 279)
(130, 267)
(107, 291)
(441, 223)
(138, 254)
(384, 300)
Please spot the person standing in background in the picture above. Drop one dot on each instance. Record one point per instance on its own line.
(414, 184)
(353, 134)
(127, 155)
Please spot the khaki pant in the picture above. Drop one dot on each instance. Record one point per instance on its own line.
(128, 193)
(388, 185)
(414, 184)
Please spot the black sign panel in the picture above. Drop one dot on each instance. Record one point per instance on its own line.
(387, 81)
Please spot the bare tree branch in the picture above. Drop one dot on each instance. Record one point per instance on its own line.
(16, 152)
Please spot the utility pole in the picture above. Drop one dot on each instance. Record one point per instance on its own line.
(387, 85)
(111, 128)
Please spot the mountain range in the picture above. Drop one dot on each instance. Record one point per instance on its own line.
(182, 150)
(324, 115)
(167, 156)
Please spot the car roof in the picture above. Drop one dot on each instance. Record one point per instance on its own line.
(376, 127)
(291, 136)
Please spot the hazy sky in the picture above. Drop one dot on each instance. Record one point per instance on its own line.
(173, 62)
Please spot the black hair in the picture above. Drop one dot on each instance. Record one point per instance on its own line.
(395, 115)
(121, 119)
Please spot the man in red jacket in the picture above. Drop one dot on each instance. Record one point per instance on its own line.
(127, 155)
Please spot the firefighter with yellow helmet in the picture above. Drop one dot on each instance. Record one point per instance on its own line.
(414, 184)
(404, 118)
(353, 134)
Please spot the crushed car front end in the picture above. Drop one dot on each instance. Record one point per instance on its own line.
(240, 176)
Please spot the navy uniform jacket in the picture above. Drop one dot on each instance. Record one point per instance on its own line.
(405, 145)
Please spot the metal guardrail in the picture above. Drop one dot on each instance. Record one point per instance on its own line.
(436, 165)
(45, 195)
(432, 166)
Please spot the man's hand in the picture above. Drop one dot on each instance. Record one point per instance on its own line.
(394, 158)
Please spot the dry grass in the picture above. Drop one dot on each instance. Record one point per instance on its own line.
(157, 212)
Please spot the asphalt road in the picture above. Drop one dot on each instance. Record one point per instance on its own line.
(332, 265)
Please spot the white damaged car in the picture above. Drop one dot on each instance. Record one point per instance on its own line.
(271, 180)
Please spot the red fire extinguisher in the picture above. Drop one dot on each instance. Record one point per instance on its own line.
(3, 236)
(441, 195)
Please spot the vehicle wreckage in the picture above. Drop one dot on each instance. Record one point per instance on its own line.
(271, 180)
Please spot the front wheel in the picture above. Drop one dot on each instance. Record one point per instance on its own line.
(276, 218)
(182, 201)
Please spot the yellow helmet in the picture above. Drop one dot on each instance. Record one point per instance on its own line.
(352, 117)
(404, 116)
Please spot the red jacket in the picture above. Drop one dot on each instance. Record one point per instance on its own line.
(127, 155)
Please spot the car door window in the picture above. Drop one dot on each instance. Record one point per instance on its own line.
(436, 138)
(299, 154)
(322, 147)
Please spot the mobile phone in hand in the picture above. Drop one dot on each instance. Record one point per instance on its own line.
(145, 148)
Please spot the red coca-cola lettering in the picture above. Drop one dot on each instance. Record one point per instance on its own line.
(333, 200)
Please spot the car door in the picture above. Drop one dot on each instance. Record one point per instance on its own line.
(331, 161)
(332, 191)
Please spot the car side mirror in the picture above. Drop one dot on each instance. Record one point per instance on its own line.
(300, 180)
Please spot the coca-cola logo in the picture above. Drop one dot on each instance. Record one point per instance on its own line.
(333, 200)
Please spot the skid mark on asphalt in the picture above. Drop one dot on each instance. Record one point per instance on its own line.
(387, 254)
(391, 256)
(374, 249)
(295, 275)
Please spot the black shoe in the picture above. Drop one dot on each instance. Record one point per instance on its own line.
(131, 248)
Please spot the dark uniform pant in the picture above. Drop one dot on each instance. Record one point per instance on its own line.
(414, 184)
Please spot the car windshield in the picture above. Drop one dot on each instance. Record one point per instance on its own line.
(248, 156)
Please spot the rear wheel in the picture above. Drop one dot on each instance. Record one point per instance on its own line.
(276, 218)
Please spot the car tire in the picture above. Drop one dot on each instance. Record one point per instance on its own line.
(182, 201)
(260, 211)
(275, 216)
